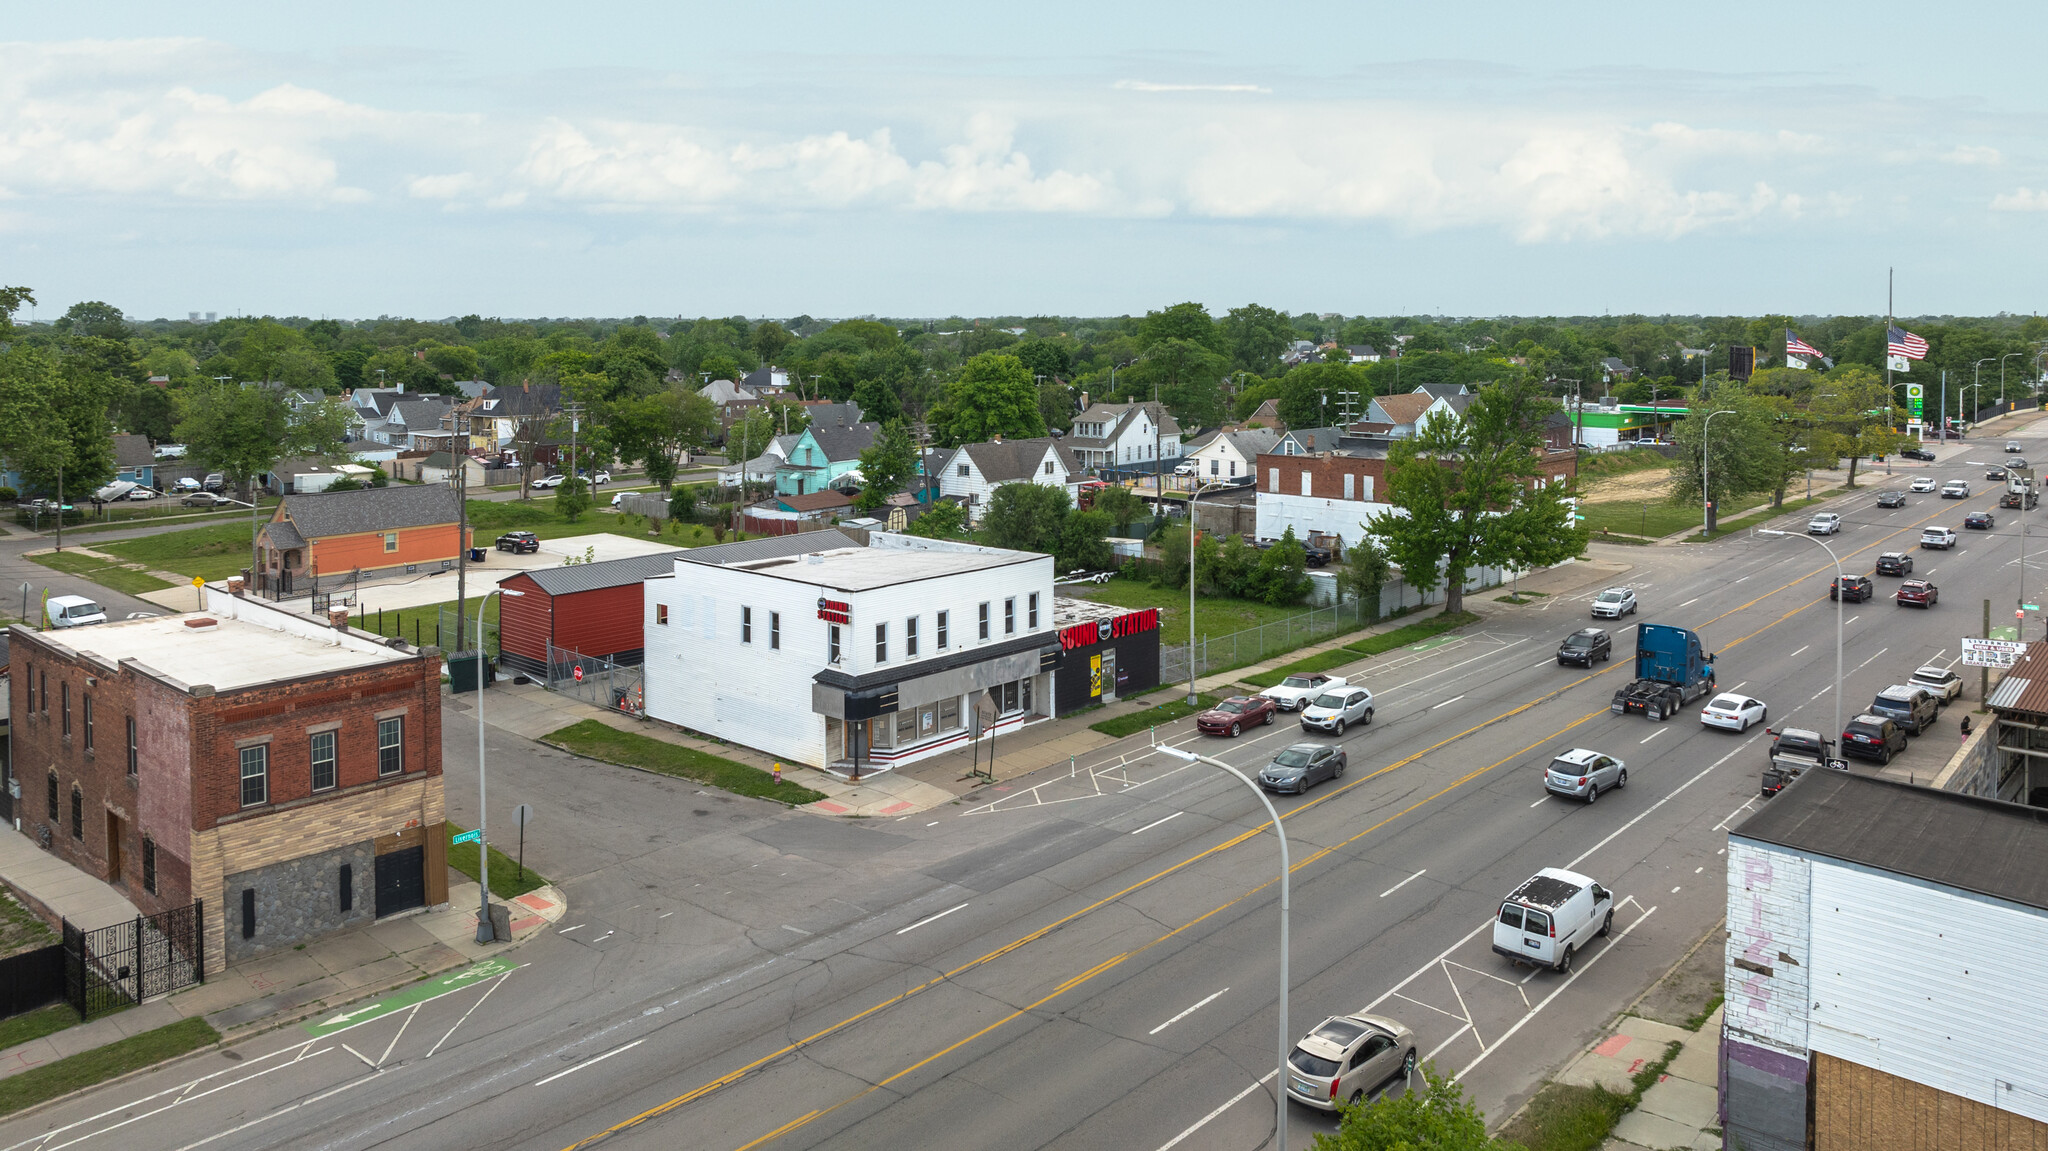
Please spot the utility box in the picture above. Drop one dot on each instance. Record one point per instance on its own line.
(462, 672)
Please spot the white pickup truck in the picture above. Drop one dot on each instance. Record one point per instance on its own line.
(1296, 690)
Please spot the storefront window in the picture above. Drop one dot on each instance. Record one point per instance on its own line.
(949, 714)
(906, 727)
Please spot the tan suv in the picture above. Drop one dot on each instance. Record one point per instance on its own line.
(1348, 1057)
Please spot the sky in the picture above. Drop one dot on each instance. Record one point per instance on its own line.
(916, 159)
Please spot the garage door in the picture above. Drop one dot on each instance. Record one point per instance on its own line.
(401, 880)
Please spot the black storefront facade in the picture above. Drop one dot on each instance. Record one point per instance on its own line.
(1104, 659)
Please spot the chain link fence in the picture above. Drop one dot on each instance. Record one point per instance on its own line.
(596, 680)
(1256, 644)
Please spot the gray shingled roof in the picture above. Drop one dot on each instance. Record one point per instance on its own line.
(420, 415)
(843, 444)
(1017, 459)
(133, 452)
(324, 514)
(571, 578)
(282, 534)
(768, 548)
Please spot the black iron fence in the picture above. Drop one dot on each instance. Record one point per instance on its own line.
(112, 967)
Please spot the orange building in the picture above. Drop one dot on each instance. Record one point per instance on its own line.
(375, 530)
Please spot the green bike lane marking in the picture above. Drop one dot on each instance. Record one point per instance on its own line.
(417, 993)
(1436, 641)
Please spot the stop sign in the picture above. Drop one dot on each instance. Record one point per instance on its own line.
(579, 673)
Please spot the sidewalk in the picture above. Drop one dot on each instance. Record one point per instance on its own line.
(53, 888)
(1681, 1109)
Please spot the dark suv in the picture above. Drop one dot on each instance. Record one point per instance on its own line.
(1873, 737)
(1851, 589)
(1586, 647)
(1895, 563)
(518, 542)
(1913, 708)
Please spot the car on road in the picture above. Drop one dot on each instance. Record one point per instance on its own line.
(1995, 473)
(1851, 589)
(550, 481)
(518, 542)
(1734, 712)
(74, 611)
(1294, 691)
(1943, 683)
(1302, 766)
(2018, 463)
(1338, 708)
(1586, 647)
(1824, 524)
(2013, 447)
(1913, 708)
(1614, 603)
(1917, 592)
(1922, 484)
(1235, 714)
(1938, 537)
(1550, 917)
(1583, 773)
(1345, 1059)
(205, 500)
(600, 478)
(1873, 737)
(1979, 521)
(144, 494)
(1894, 564)
(1917, 454)
(1891, 499)
(1956, 490)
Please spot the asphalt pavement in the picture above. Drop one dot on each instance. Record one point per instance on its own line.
(1088, 957)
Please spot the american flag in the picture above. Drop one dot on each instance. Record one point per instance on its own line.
(1794, 346)
(1900, 342)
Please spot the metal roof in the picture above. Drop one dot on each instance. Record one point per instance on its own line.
(572, 578)
(1962, 841)
(2025, 686)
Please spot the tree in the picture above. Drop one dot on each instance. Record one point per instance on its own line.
(1188, 378)
(1025, 517)
(242, 432)
(1256, 336)
(682, 504)
(1056, 405)
(1121, 505)
(656, 430)
(1044, 358)
(887, 464)
(1189, 321)
(93, 318)
(1468, 492)
(1365, 572)
(1317, 395)
(1741, 455)
(1852, 416)
(1436, 1118)
(993, 396)
(944, 520)
(770, 339)
(572, 499)
(1083, 542)
(11, 300)
(1281, 576)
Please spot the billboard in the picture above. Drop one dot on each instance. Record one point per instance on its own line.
(1991, 652)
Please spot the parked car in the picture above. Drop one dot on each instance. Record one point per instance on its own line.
(552, 480)
(1956, 490)
(518, 542)
(600, 478)
(144, 494)
(205, 500)
(1851, 589)
(1302, 766)
(1586, 647)
(1798, 741)
(1917, 454)
(1550, 916)
(215, 482)
(74, 611)
(1734, 712)
(2013, 447)
(1614, 603)
(1922, 484)
(1978, 521)
(1824, 524)
(1918, 592)
(1184, 469)
(1294, 691)
(185, 484)
(1938, 537)
(1873, 737)
(1582, 773)
(1913, 708)
(1894, 564)
(1346, 1058)
(1336, 709)
(1943, 683)
(1891, 499)
(1235, 714)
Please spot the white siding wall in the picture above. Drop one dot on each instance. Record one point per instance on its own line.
(1767, 917)
(974, 484)
(1278, 511)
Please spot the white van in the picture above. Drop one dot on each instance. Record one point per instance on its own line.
(1547, 919)
(74, 611)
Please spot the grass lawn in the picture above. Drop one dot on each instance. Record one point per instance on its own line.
(1655, 519)
(1214, 616)
(86, 1068)
(505, 880)
(1172, 709)
(1567, 1118)
(189, 516)
(417, 624)
(540, 516)
(594, 740)
(21, 929)
(1371, 645)
(1762, 516)
(214, 552)
(36, 1024)
(102, 572)
(1603, 464)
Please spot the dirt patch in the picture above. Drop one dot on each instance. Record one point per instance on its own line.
(1653, 484)
(1683, 996)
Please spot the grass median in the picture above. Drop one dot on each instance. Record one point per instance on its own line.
(47, 1082)
(1764, 516)
(1137, 721)
(508, 879)
(1367, 647)
(593, 740)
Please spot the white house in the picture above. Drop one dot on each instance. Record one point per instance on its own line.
(1227, 455)
(1404, 413)
(815, 650)
(971, 473)
(1124, 436)
(760, 469)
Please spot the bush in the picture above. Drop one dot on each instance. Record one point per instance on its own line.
(9, 495)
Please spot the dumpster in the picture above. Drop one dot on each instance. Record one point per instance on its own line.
(476, 555)
(462, 672)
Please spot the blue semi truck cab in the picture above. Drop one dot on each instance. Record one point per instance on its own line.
(1672, 670)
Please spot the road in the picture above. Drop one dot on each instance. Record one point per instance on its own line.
(1087, 959)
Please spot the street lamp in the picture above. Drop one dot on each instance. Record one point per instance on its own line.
(1193, 494)
(1280, 833)
(2001, 373)
(1706, 457)
(1840, 602)
(483, 811)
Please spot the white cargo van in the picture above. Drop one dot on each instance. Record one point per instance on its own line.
(1550, 917)
(74, 611)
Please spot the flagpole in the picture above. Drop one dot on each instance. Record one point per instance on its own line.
(1890, 419)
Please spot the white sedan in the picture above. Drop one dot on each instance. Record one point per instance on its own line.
(1734, 712)
(1922, 483)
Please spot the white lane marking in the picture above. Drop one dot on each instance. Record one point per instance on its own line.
(467, 1014)
(1583, 856)
(1577, 970)
(1697, 870)
(1540, 802)
(1542, 663)
(1185, 1014)
(1156, 823)
(1446, 1043)
(933, 823)
(352, 1051)
(1880, 651)
(1795, 654)
(1409, 880)
(1853, 618)
(596, 1059)
(1690, 602)
(1738, 811)
(1446, 703)
(1674, 891)
(274, 1114)
(1821, 692)
(798, 930)
(1740, 580)
(930, 918)
(567, 930)
(391, 1046)
(1653, 735)
(183, 1096)
(1205, 1120)
(1738, 687)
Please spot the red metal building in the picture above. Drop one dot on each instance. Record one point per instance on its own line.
(592, 609)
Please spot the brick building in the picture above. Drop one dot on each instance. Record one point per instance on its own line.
(1335, 492)
(398, 528)
(286, 772)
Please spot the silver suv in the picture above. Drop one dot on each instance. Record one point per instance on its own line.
(1614, 603)
(1336, 709)
(1582, 773)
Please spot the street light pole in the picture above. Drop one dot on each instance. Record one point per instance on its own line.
(483, 811)
(2001, 373)
(1840, 601)
(1194, 493)
(1279, 833)
(1706, 458)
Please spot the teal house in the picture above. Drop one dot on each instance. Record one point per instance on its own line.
(828, 449)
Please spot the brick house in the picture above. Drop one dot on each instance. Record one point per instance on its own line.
(376, 530)
(1336, 492)
(296, 791)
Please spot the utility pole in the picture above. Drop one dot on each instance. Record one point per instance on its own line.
(457, 424)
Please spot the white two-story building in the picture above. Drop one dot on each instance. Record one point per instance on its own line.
(1124, 436)
(972, 472)
(818, 651)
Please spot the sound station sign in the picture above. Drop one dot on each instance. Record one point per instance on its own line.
(1102, 631)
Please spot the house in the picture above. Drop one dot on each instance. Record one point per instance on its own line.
(134, 460)
(1124, 436)
(283, 774)
(762, 381)
(818, 505)
(1226, 455)
(1336, 492)
(971, 473)
(824, 452)
(369, 451)
(377, 531)
(587, 611)
(1442, 391)
(500, 414)
(1266, 415)
(1404, 413)
(371, 406)
(851, 658)
(1612, 369)
(421, 423)
(1881, 938)
(306, 475)
(760, 469)
(1362, 353)
(1308, 441)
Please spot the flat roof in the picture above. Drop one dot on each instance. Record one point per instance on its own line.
(231, 654)
(1961, 841)
(865, 569)
(1066, 612)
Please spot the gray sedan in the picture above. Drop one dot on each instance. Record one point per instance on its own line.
(1302, 766)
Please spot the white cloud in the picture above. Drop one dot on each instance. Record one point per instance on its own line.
(1149, 86)
(1973, 154)
(2020, 200)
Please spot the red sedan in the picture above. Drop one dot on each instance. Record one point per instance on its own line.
(1918, 592)
(1235, 714)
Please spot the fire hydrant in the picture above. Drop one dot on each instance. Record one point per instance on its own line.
(778, 772)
